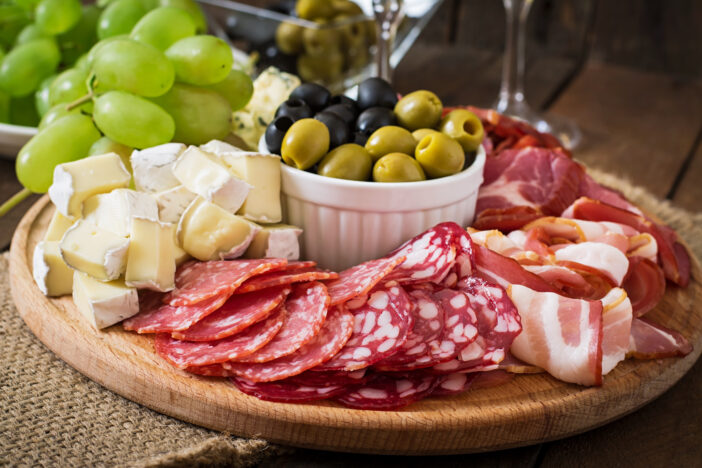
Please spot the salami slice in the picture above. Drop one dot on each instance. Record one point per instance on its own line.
(156, 317)
(286, 391)
(185, 354)
(453, 384)
(285, 277)
(307, 307)
(382, 324)
(464, 265)
(197, 281)
(360, 279)
(383, 392)
(331, 338)
(317, 378)
(239, 312)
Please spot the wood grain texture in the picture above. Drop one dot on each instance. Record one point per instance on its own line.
(527, 410)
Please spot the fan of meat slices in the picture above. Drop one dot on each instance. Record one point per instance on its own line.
(555, 275)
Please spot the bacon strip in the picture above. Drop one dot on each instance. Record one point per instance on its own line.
(616, 327)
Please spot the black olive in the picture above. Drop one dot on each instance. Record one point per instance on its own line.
(376, 92)
(286, 7)
(275, 132)
(345, 113)
(296, 109)
(339, 132)
(360, 138)
(316, 96)
(372, 119)
(346, 101)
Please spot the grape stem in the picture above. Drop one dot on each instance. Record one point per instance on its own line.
(80, 101)
(15, 200)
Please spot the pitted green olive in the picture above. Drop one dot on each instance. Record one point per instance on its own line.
(314, 9)
(288, 38)
(419, 109)
(349, 161)
(305, 143)
(322, 41)
(422, 132)
(320, 67)
(440, 155)
(465, 127)
(390, 139)
(397, 167)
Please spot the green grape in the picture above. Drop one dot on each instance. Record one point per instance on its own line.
(12, 19)
(78, 40)
(105, 145)
(67, 139)
(30, 32)
(237, 88)
(132, 120)
(23, 111)
(69, 86)
(163, 26)
(132, 66)
(57, 16)
(41, 96)
(55, 113)
(82, 63)
(95, 49)
(4, 107)
(27, 65)
(28, 5)
(119, 17)
(200, 114)
(201, 60)
(193, 10)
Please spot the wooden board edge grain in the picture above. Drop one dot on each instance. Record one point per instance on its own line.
(528, 410)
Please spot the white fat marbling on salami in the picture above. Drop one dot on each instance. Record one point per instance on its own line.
(384, 392)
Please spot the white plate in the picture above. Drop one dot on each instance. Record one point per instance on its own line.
(13, 138)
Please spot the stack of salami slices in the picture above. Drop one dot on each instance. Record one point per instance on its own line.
(379, 335)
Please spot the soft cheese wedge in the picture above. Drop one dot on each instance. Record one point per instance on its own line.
(204, 175)
(151, 261)
(97, 252)
(173, 202)
(76, 181)
(208, 232)
(153, 167)
(104, 303)
(262, 172)
(275, 241)
(116, 210)
(50, 272)
(58, 226)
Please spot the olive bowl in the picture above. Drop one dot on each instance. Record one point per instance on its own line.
(347, 222)
(13, 138)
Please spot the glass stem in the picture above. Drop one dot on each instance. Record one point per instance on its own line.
(387, 17)
(511, 96)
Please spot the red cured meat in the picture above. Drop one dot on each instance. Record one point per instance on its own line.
(239, 312)
(505, 271)
(279, 278)
(331, 338)
(360, 279)
(464, 264)
(306, 308)
(644, 284)
(498, 319)
(184, 354)
(384, 392)
(164, 318)
(381, 326)
(197, 281)
(453, 384)
(284, 391)
(316, 378)
(652, 341)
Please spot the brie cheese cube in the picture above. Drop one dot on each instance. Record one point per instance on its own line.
(58, 226)
(275, 241)
(262, 172)
(97, 252)
(115, 211)
(151, 258)
(219, 147)
(50, 272)
(153, 167)
(207, 177)
(208, 232)
(173, 202)
(76, 181)
(104, 304)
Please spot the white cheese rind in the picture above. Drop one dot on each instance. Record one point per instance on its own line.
(115, 211)
(173, 202)
(104, 303)
(151, 260)
(275, 241)
(153, 167)
(97, 252)
(262, 172)
(50, 272)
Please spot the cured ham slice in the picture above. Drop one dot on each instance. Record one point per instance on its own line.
(561, 335)
(566, 280)
(644, 284)
(652, 341)
(505, 271)
(608, 260)
(616, 328)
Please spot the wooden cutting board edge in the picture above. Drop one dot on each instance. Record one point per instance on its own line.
(529, 409)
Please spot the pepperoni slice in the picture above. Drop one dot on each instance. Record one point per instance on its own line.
(307, 307)
(286, 391)
(381, 326)
(239, 312)
(185, 354)
(197, 281)
(278, 278)
(360, 279)
(384, 392)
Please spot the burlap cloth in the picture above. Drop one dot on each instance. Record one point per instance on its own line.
(54, 416)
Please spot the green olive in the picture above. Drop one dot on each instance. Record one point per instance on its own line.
(322, 41)
(288, 38)
(305, 143)
(440, 155)
(320, 67)
(422, 132)
(390, 139)
(357, 57)
(420, 109)
(465, 127)
(314, 9)
(349, 161)
(353, 35)
(397, 167)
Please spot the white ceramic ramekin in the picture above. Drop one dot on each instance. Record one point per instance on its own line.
(347, 222)
(13, 138)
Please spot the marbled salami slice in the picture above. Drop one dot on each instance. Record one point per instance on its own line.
(360, 279)
(384, 392)
(286, 391)
(453, 384)
(317, 378)
(331, 338)
(307, 307)
(239, 312)
(382, 324)
(185, 354)
(285, 277)
(197, 281)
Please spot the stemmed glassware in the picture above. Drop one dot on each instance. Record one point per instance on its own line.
(387, 17)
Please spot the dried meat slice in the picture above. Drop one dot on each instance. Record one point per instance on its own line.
(453, 384)
(360, 279)
(164, 318)
(389, 392)
(285, 277)
(306, 307)
(239, 312)
(650, 340)
(285, 391)
(644, 284)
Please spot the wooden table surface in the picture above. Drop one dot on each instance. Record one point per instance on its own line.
(646, 126)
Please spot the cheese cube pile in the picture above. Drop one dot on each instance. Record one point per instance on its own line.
(106, 241)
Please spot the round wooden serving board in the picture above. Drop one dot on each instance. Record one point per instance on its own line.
(527, 410)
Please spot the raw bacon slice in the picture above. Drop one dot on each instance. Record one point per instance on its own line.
(239, 312)
(383, 392)
(381, 326)
(279, 278)
(360, 279)
(644, 284)
(609, 260)
(505, 271)
(184, 354)
(561, 335)
(616, 328)
(568, 281)
(197, 281)
(165, 318)
(285, 391)
(306, 307)
(331, 338)
(653, 341)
